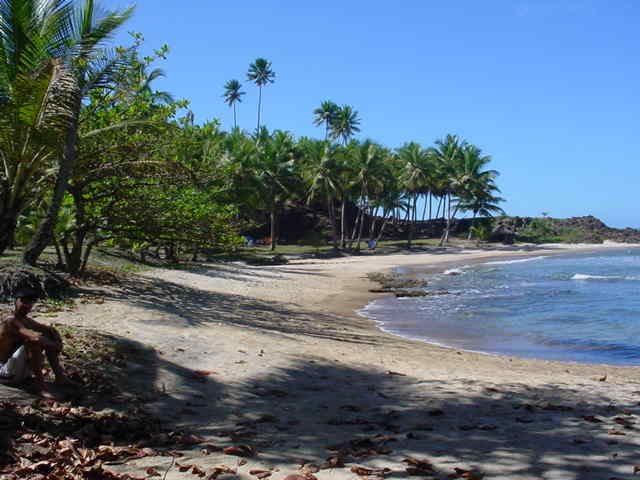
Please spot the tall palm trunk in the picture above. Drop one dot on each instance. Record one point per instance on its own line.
(445, 235)
(450, 216)
(473, 221)
(259, 107)
(412, 222)
(373, 222)
(235, 122)
(42, 238)
(384, 224)
(274, 232)
(360, 231)
(332, 218)
(343, 223)
(354, 229)
(424, 210)
(436, 216)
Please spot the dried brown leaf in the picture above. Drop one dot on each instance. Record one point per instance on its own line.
(240, 451)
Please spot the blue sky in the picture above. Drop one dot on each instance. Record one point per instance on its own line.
(548, 88)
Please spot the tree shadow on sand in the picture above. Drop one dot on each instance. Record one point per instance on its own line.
(122, 397)
(185, 306)
(314, 410)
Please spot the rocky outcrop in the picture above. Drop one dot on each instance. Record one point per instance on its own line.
(505, 229)
(588, 229)
(47, 284)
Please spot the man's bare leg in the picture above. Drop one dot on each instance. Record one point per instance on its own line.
(54, 360)
(36, 362)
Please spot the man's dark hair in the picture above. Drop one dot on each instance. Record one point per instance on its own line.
(27, 294)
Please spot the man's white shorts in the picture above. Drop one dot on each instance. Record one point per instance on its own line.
(16, 369)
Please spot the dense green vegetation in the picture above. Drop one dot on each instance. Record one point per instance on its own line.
(93, 155)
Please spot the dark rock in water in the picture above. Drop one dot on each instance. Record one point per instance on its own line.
(419, 293)
(47, 284)
(391, 282)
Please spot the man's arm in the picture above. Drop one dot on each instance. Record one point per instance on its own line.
(39, 335)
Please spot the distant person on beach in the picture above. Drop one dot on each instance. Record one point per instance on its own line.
(24, 343)
(372, 244)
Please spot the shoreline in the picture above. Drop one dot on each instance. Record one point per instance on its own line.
(473, 257)
(410, 270)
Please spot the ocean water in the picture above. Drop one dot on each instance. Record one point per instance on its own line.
(578, 307)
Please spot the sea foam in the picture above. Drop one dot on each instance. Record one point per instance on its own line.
(454, 271)
(520, 260)
(584, 276)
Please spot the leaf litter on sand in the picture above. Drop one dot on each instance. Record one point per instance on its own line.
(73, 440)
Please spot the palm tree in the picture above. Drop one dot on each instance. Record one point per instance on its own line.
(325, 114)
(232, 95)
(30, 120)
(83, 67)
(321, 177)
(345, 123)
(368, 158)
(475, 186)
(447, 154)
(392, 200)
(413, 177)
(146, 78)
(275, 174)
(483, 203)
(261, 74)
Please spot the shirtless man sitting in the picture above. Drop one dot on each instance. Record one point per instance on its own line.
(24, 343)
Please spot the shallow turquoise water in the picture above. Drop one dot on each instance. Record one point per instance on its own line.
(580, 307)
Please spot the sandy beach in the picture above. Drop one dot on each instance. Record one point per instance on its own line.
(300, 375)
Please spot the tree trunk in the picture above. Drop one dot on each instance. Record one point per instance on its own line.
(8, 224)
(360, 231)
(343, 223)
(412, 223)
(235, 122)
(87, 253)
(438, 209)
(473, 219)
(274, 233)
(445, 235)
(424, 210)
(56, 245)
(44, 233)
(354, 230)
(384, 224)
(372, 225)
(74, 261)
(332, 218)
(407, 216)
(259, 107)
(170, 252)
